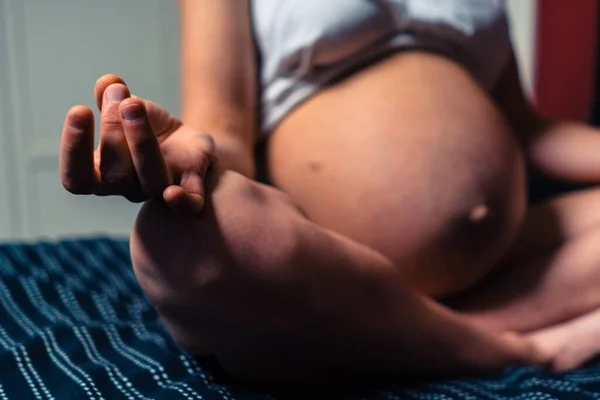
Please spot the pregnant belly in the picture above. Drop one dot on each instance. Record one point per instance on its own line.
(414, 161)
(467, 208)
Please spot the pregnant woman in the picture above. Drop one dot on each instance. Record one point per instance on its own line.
(393, 235)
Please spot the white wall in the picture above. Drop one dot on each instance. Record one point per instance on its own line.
(51, 53)
(523, 22)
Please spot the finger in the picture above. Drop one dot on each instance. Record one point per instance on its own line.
(76, 160)
(193, 187)
(182, 202)
(193, 180)
(161, 120)
(102, 84)
(144, 148)
(116, 166)
(186, 203)
(188, 198)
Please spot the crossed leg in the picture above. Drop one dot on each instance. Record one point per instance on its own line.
(277, 293)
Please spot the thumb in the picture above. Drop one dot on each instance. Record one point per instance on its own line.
(188, 198)
(182, 202)
(162, 122)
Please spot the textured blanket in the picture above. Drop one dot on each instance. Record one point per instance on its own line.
(74, 324)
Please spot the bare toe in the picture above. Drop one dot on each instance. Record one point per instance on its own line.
(572, 343)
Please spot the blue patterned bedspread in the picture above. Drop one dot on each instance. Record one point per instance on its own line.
(74, 324)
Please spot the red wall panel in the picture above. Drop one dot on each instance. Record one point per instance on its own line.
(565, 57)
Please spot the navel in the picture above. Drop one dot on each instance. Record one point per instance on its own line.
(479, 214)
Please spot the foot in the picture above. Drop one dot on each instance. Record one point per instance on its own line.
(571, 344)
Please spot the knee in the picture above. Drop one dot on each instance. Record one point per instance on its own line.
(244, 227)
(258, 226)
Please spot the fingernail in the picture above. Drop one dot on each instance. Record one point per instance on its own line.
(78, 121)
(133, 112)
(116, 93)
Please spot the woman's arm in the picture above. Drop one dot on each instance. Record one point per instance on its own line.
(219, 77)
(567, 151)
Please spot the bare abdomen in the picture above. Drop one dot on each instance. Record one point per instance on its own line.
(411, 158)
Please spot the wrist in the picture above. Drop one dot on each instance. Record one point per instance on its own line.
(234, 145)
(234, 155)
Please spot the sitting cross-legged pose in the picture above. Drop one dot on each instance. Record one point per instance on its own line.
(392, 234)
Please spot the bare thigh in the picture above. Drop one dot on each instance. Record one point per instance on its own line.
(393, 158)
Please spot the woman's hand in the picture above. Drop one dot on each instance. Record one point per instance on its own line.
(144, 151)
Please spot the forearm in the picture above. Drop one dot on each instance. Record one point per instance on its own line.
(557, 150)
(219, 77)
(567, 151)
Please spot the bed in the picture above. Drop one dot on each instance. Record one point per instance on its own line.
(74, 324)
